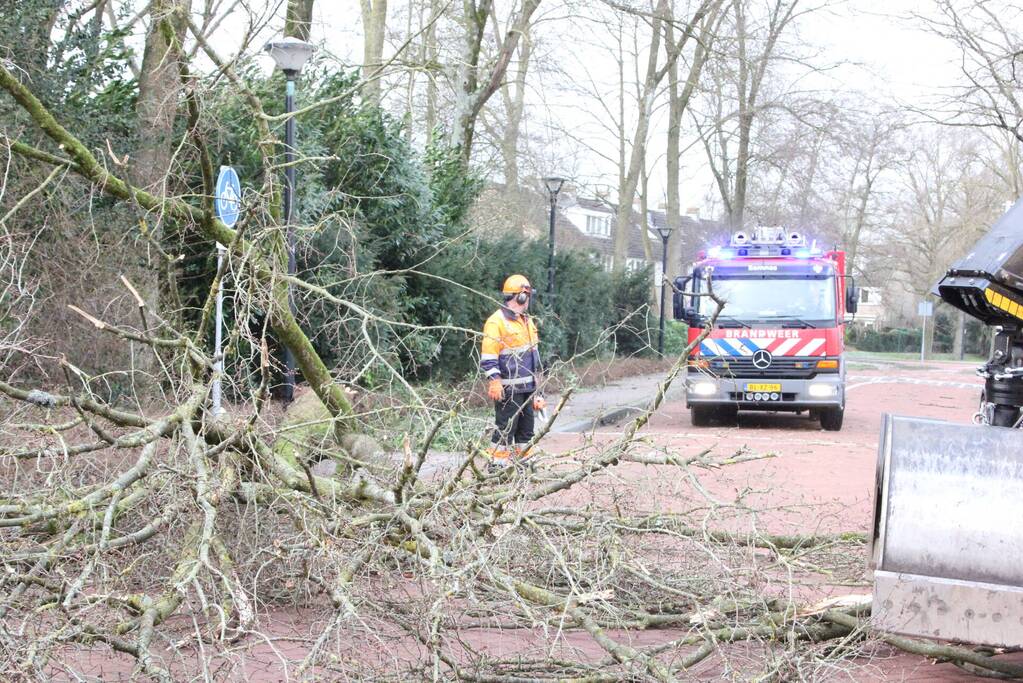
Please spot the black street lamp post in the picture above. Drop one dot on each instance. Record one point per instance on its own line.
(665, 233)
(290, 55)
(553, 185)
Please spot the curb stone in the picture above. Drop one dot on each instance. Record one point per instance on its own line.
(608, 417)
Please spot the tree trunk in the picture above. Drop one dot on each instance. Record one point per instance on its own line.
(374, 24)
(515, 109)
(431, 78)
(741, 170)
(644, 214)
(513, 93)
(861, 213)
(751, 70)
(159, 90)
(299, 19)
(474, 17)
(673, 209)
(156, 110)
(474, 91)
(654, 76)
(678, 102)
(637, 156)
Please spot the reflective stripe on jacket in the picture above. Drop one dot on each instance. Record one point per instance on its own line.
(509, 350)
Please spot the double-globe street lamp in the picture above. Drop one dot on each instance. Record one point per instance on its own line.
(553, 185)
(290, 55)
(665, 232)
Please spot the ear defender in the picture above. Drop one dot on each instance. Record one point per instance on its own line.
(517, 287)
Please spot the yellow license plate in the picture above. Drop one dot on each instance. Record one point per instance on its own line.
(763, 387)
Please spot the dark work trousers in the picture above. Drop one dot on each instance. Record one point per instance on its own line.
(514, 417)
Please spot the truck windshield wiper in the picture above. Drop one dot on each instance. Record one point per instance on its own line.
(731, 322)
(788, 321)
(797, 322)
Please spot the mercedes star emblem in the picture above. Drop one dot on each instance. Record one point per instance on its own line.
(762, 359)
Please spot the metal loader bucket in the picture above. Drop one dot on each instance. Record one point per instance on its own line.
(947, 545)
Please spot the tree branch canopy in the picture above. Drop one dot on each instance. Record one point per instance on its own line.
(282, 320)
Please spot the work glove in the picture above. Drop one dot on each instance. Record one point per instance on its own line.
(539, 403)
(494, 390)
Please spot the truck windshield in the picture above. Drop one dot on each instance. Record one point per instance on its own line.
(769, 299)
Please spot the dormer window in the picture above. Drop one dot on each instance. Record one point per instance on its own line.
(598, 226)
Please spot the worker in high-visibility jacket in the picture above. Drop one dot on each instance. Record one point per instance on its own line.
(510, 360)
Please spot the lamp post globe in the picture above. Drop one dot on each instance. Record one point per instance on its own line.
(290, 54)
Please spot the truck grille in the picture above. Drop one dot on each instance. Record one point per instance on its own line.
(780, 368)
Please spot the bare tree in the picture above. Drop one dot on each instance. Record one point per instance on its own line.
(681, 87)
(988, 37)
(513, 101)
(737, 95)
(477, 82)
(648, 89)
(948, 201)
(871, 147)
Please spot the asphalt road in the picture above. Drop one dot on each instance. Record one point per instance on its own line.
(828, 474)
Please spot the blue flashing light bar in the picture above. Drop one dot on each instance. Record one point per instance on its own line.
(744, 248)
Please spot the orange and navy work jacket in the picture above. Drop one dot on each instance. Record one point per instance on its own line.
(509, 350)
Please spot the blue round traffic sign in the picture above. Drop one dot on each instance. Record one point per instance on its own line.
(229, 196)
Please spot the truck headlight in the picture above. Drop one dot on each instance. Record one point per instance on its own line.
(822, 390)
(704, 388)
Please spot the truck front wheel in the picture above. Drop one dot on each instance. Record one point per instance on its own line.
(831, 419)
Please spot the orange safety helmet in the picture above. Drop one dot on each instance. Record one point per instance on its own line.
(517, 287)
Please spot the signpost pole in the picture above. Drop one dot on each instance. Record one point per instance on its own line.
(925, 309)
(218, 367)
(227, 203)
(923, 338)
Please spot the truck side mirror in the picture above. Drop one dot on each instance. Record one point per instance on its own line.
(691, 317)
(852, 298)
(678, 298)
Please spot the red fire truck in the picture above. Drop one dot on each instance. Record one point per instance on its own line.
(778, 342)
